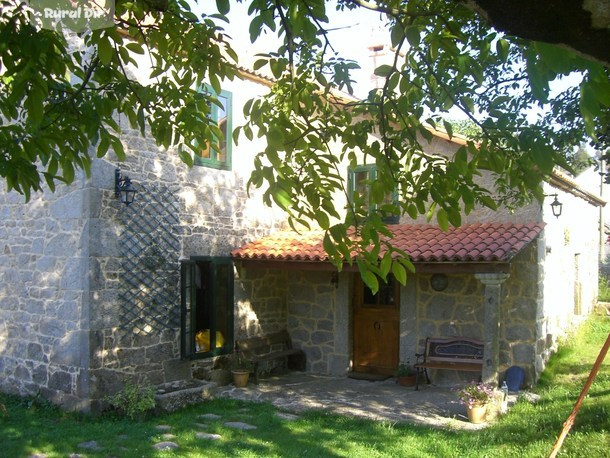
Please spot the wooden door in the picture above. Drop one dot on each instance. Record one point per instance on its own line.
(376, 328)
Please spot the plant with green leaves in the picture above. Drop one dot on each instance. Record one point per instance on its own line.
(63, 103)
(405, 369)
(133, 401)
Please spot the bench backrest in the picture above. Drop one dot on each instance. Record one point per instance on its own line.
(454, 349)
(261, 345)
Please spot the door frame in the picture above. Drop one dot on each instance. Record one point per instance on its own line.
(363, 308)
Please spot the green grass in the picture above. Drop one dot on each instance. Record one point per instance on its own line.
(529, 430)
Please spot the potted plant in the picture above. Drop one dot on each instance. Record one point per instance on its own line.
(240, 368)
(476, 397)
(405, 374)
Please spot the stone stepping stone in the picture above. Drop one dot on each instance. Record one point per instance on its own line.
(208, 436)
(287, 416)
(202, 425)
(91, 445)
(168, 436)
(166, 445)
(210, 416)
(239, 425)
(163, 427)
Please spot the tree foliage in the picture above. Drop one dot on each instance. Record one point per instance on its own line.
(62, 97)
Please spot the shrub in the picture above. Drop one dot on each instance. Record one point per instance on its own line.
(133, 401)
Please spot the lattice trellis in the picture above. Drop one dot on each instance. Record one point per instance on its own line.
(150, 275)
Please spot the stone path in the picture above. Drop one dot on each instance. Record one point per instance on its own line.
(168, 439)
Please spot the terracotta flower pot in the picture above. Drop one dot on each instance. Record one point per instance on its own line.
(477, 413)
(240, 377)
(406, 380)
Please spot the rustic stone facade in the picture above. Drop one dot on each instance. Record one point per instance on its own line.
(318, 314)
(89, 288)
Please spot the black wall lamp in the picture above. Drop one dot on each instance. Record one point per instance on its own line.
(556, 206)
(123, 189)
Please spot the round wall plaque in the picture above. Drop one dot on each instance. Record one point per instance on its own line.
(439, 282)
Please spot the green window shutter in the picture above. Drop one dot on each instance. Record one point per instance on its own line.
(187, 303)
(219, 156)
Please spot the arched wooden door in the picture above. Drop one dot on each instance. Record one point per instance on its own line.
(376, 329)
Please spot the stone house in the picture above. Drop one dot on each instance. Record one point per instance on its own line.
(516, 281)
(94, 292)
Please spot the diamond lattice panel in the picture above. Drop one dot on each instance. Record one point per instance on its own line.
(149, 280)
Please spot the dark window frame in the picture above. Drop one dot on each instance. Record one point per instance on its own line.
(189, 305)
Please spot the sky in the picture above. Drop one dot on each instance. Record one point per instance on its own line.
(351, 34)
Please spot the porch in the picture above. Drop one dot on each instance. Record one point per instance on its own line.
(385, 400)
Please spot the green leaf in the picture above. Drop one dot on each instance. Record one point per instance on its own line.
(223, 6)
(386, 264)
(384, 70)
(105, 51)
(102, 147)
(135, 47)
(399, 272)
(185, 156)
(443, 220)
(370, 280)
(448, 128)
(275, 138)
(117, 146)
(502, 48)
(413, 35)
(282, 198)
(396, 34)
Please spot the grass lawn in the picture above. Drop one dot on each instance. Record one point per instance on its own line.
(528, 430)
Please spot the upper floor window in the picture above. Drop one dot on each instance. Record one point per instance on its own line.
(360, 185)
(218, 154)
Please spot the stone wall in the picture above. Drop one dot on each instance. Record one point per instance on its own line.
(459, 310)
(44, 259)
(318, 314)
(89, 290)
(260, 302)
(318, 319)
(314, 310)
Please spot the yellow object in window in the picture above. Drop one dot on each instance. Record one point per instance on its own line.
(202, 340)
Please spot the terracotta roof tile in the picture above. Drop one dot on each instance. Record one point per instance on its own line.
(482, 242)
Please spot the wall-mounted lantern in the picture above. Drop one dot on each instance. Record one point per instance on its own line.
(123, 189)
(556, 206)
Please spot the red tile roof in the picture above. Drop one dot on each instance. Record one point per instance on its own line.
(483, 242)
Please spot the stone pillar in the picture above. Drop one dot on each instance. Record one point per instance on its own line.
(491, 355)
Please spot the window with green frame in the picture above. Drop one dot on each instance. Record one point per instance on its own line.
(360, 180)
(218, 155)
(207, 307)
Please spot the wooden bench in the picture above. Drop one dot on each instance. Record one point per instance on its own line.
(453, 353)
(262, 351)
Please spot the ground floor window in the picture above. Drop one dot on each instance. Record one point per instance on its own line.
(207, 307)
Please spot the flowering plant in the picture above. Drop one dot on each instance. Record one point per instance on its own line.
(476, 394)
